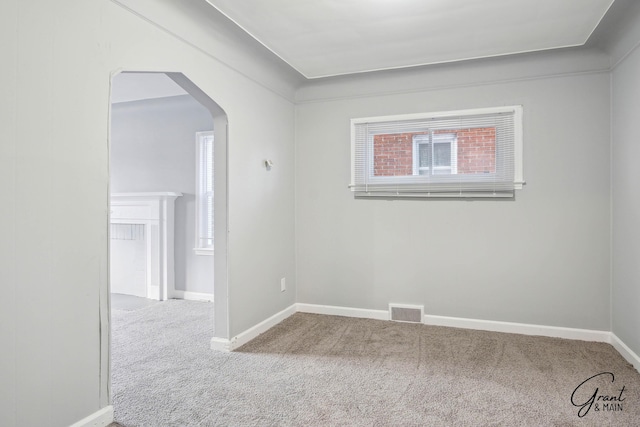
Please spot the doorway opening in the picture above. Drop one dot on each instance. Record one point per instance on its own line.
(167, 218)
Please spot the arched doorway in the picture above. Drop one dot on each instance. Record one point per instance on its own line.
(169, 147)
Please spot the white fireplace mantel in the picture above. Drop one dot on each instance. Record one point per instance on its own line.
(156, 212)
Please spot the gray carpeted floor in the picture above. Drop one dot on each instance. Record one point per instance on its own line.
(314, 370)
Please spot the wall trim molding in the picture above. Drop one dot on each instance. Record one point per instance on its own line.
(101, 418)
(629, 355)
(382, 93)
(192, 296)
(332, 310)
(221, 344)
(464, 323)
(239, 340)
(518, 328)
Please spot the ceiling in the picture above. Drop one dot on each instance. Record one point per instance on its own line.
(128, 87)
(321, 38)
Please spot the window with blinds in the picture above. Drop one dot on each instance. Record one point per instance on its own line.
(467, 153)
(204, 193)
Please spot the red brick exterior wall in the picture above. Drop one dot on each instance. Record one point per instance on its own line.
(393, 153)
(476, 150)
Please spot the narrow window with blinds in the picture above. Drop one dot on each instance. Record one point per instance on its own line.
(459, 154)
(204, 193)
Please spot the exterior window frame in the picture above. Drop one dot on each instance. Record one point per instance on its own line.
(431, 139)
(204, 195)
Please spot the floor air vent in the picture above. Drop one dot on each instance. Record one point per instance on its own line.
(406, 313)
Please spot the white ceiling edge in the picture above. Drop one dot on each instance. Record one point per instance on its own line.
(256, 39)
(413, 65)
(618, 34)
(453, 61)
(523, 52)
(534, 65)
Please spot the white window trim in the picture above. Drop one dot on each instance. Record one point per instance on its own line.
(437, 139)
(518, 151)
(203, 251)
(198, 248)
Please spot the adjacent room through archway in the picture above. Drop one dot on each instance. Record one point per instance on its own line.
(165, 138)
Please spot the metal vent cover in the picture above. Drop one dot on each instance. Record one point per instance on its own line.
(406, 313)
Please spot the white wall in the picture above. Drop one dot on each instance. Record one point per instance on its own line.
(626, 198)
(54, 170)
(153, 149)
(57, 61)
(541, 259)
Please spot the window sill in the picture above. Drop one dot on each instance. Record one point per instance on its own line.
(202, 251)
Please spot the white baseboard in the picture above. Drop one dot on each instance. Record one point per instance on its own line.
(629, 355)
(102, 418)
(457, 322)
(222, 344)
(192, 296)
(343, 311)
(239, 340)
(519, 328)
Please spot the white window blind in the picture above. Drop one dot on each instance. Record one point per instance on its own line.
(468, 153)
(204, 195)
